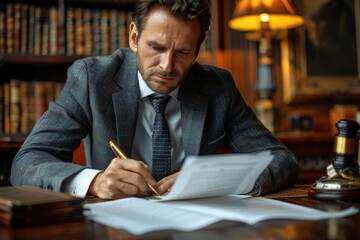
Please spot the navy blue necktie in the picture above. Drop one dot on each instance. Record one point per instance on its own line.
(161, 140)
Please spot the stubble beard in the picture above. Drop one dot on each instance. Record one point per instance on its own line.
(161, 89)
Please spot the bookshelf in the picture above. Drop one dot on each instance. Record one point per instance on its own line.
(39, 40)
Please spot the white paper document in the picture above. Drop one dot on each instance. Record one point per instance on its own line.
(139, 216)
(218, 175)
(206, 186)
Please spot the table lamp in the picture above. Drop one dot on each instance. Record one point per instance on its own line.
(265, 20)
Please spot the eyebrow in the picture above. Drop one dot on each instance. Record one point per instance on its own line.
(157, 44)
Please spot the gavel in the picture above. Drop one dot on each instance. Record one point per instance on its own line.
(346, 146)
(343, 176)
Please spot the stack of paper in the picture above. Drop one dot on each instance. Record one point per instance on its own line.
(140, 216)
(205, 186)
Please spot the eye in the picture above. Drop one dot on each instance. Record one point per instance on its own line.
(157, 48)
(183, 53)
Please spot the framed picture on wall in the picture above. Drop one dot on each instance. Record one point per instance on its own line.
(321, 59)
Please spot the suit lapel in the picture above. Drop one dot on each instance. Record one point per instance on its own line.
(126, 104)
(194, 106)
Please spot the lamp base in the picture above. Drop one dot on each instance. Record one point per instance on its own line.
(335, 189)
(265, 112)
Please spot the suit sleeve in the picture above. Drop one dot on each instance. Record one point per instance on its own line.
(245, 133)
(44, 160)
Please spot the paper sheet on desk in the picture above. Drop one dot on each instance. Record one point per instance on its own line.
(139, 216)
(218, 175)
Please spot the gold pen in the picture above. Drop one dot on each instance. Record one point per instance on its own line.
(120, 154)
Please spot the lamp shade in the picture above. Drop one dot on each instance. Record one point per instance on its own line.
(279, 14)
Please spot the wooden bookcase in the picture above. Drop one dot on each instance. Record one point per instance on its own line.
(40, 39)
(35, 38)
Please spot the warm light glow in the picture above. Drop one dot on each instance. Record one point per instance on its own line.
(281, 14)
(264, 17)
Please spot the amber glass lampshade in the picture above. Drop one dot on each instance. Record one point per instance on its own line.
(250, 15)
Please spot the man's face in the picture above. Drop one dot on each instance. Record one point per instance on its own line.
(166, 49)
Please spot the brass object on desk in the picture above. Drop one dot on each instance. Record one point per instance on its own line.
(343, 174)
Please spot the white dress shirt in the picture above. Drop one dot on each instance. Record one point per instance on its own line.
(142, 146)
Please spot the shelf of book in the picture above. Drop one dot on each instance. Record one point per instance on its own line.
(68, 30)
(43, 38)
(40, 39)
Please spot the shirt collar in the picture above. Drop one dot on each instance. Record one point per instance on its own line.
(145, 91)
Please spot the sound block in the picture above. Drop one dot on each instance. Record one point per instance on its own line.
(335, 190)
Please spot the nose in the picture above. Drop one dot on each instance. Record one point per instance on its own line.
(167, 61)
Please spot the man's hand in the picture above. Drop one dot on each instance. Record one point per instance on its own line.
(122, 178)
(165, 184)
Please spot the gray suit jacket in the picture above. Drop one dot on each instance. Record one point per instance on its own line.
(99, 102)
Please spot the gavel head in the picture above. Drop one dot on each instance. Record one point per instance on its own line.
(346, 146)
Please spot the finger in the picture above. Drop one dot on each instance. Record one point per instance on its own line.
(165, 184)
(134, 179)
(108, 188)
(137, 167)
(149, 178)
(117, 179)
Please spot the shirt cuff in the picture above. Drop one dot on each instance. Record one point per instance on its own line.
(78, 184)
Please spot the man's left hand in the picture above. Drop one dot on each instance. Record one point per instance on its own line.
(165, 184)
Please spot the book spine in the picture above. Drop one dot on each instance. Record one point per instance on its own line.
(79, 29)
(88, 33)
(2, 28)
(70, 31)
(17, 27)
(114, 34)
(15, 106)
(40, 99)
(24, 28)
(7, 129)
(10, 22)
(45, 32)
(122, 29)
(54, 31)
(38, 29)
(27, 106)
(97, 32)
(105, 32)
(31, 35)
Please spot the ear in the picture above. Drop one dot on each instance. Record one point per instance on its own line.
(133, 33)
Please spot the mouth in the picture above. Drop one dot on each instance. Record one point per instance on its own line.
(164, 78)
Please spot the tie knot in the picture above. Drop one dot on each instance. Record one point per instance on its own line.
(159, 102)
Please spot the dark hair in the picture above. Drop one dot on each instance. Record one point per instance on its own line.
(184, 9)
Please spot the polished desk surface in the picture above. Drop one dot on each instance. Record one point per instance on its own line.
(340, 228)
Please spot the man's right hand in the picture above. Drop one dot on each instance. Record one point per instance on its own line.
(122, 178)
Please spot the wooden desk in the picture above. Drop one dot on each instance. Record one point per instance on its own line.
(341, 228)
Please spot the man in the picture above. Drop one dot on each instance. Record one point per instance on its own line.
(106, 98)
